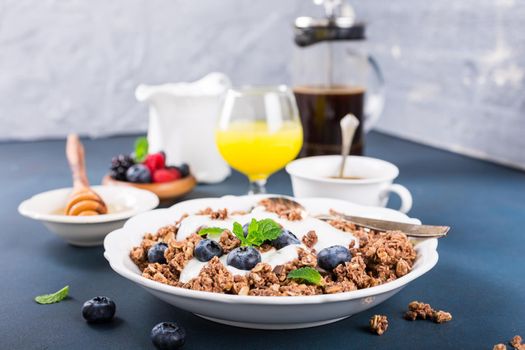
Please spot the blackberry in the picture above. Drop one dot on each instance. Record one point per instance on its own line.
(119, 165)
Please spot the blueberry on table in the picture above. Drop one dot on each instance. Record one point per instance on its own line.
(330, 257)
(156, 253)
(98, 310)
(168, 336)
(286, 238)
(138, 173)
(244, 258)
(206, 249)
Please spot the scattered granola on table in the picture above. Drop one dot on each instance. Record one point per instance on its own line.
(516, 343)
(423, 311)
(274, 251)
(378, 324)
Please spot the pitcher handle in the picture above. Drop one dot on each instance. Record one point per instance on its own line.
(375, 97)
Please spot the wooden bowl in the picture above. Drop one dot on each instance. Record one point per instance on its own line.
(166, 191)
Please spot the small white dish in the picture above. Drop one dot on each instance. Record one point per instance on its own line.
(263, 312)
(122, 202)
(369, 180)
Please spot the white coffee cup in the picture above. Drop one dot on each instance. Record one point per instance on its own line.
(373, 183)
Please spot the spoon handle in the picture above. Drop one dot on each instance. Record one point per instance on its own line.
(75, 158)
(348, 124)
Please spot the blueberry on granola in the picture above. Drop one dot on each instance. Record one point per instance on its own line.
(156, 253)
(330, 257)
(98, 310)
(286, 238)
(206, 249)
(244, 258)
(168, 336)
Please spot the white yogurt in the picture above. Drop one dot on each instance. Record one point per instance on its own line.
(327, 236)
(272, 257)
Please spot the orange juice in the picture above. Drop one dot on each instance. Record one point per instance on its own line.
(258, 149)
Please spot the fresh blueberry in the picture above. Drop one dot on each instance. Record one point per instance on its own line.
(244, 258)
(98, 310)
(330, 257)
(184, 169)
(206, 249)
(156, 253)
(286, 238)
(168, 336)
(138, 173)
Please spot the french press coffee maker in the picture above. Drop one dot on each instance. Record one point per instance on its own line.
(333, 75)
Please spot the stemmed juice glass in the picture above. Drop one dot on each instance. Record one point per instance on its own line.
(259, 132)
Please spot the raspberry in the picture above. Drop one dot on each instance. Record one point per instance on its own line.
(166, 175)
(155, 161)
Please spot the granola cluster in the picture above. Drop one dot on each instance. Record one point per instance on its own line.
(516, 342)
(220, 214)
(281, 209)
(378, 324)
(380, 257)
(423, 311)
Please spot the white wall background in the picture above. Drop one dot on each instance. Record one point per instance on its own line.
(455, 69)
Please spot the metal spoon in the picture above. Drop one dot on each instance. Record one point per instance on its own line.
(412, 230)
(349, 125)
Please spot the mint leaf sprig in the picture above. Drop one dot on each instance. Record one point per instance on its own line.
(211, 231)
(141, 149)
(307, 275)
(258, 232)
(54, 297)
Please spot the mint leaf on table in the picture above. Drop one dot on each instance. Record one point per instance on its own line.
(211, 231)
(141, 149)
(54, 297)
(306, 275)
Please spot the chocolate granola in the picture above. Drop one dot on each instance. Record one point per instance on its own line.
(423, 311)
(378, 324)
(517, 343)
(379, 257)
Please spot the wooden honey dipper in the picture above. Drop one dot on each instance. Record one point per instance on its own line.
(83, 201)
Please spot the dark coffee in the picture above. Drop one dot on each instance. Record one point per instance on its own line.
(347, 177)
(321, 109)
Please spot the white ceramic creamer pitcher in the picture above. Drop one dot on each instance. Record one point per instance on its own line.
(182, 120)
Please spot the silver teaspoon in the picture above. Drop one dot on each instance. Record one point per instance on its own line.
(349, 125)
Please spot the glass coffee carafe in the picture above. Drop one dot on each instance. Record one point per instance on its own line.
(333, 75)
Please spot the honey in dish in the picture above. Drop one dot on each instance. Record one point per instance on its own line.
(111, 209)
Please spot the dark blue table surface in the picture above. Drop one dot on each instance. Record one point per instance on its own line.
(480, 276)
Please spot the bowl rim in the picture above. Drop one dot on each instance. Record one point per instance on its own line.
(427, 250)
(292, 171)
(147, 201)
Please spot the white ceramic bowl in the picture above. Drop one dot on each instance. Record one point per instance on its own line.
(122, 202)
(263, 312)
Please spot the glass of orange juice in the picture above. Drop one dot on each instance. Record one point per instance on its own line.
(259, 132)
